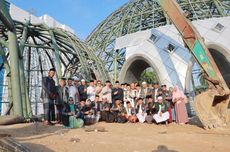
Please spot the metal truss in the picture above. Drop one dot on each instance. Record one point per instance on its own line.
(38, 48)
(45, 48)
(139, 15)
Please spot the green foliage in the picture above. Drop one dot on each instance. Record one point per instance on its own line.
(149, 76)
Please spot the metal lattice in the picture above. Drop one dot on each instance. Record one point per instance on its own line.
(139, 15)
(45, 48)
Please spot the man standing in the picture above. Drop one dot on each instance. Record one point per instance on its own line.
(62, 97)
(82, 90)
(76, 81)
(76, 85)
(72, 89)
(91, 91)
(107, 92)
(145, 91)
(48, 96)
(156, 91)
(117, 92)
(99, 89)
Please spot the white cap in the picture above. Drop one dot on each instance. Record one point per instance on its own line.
(159, 98)
(75, 78)
(82, 80)
(144, 83)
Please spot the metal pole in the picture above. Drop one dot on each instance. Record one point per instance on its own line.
(219, 8)
(82, 59)
(14, 58)
(115, 65)
(15, 74)
(7, 68)
(10, 96)
(4, 58)
(57, 55)
(25, 94)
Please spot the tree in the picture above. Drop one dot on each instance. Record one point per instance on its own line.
(149, 76)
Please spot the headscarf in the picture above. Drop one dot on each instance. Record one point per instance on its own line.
(178, 93)
(72, 106)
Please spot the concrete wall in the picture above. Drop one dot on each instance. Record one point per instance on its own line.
(172, 67)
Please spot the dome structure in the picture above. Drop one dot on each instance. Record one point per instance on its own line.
(43, 48)
(140, 15)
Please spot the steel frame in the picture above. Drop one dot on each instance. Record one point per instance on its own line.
(30, 50)
(139, 15)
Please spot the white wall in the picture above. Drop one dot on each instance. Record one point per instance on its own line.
(173, 66)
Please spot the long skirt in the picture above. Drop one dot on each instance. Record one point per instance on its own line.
(181, 113)
(164, 117)
(75, 123)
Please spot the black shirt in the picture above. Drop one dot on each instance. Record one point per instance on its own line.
(48, 88)
(119, 95)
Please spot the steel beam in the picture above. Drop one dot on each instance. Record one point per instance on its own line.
(25, 94)
(5, 16)
(15, 74)
(57, 54)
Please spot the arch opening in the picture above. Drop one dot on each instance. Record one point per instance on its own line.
(222, 63)
(221, 57)
(140, 70)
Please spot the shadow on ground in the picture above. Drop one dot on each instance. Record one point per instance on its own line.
(31, 131)
(195, 121)
(37, 147)
(163, 148)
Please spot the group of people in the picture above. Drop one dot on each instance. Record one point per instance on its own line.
(75, 103)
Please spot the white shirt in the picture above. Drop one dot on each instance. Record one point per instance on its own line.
(72, 92)
(106, 93)
(91, 93)
(140, 109)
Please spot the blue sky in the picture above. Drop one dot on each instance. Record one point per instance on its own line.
(81, 15)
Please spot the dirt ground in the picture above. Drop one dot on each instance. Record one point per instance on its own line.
(120, 138)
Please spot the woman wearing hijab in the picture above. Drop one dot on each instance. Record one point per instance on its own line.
(179, 100)
(70, 116)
